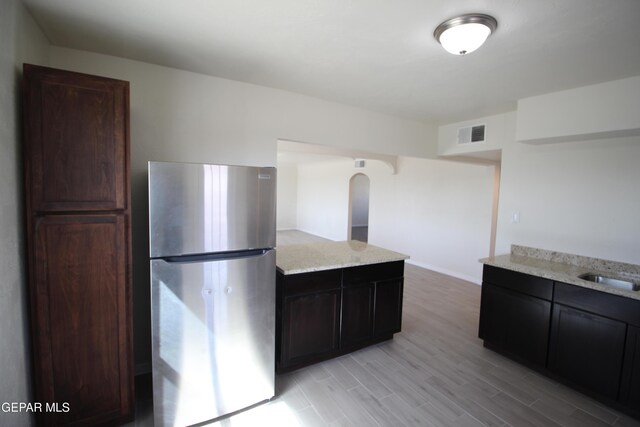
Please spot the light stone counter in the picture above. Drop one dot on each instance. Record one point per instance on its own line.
(566, 268)
(305, 258)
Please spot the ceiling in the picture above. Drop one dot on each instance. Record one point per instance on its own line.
(375, 54)
(298, 153)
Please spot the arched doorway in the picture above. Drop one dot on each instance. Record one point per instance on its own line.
(359, 207)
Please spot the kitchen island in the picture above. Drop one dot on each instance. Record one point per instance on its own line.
(333, 298)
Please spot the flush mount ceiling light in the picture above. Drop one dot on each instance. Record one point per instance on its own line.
(464, 34)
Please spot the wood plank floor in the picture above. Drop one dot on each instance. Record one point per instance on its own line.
(434, 373)
(294, 237)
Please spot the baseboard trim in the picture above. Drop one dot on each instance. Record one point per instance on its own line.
(474, 280)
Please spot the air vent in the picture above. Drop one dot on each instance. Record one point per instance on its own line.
(471, 134)
(359, 163)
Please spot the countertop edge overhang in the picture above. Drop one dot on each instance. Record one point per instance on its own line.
(306, 258)
(536, 262)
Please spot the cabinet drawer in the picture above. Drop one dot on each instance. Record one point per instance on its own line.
(316, 281)
(519, 282)
(602, 303)
(373, 272)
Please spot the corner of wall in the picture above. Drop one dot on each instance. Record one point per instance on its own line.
(22, 41)
(600, 111)
(500, 131)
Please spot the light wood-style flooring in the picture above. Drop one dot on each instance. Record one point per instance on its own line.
(294, 237)
(434, 373)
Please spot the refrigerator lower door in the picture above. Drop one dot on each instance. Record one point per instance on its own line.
(213, 337)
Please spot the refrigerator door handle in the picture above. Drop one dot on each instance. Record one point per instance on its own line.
(184, 259)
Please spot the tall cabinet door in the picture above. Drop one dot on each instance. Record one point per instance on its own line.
(76, 151)
(81, 317)
(76, 133)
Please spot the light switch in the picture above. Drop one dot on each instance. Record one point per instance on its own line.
(515, 218)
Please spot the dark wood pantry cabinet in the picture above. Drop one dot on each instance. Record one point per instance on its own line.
(76, 152)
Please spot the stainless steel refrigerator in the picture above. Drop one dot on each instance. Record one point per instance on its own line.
(211, 240)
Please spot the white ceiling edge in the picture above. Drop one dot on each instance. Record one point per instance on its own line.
(325, 153)
(380, 56)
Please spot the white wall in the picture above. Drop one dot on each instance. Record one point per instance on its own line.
(287, 203)
(605, 110)
(500, 131)
(21, 41)
(182, 116)
(203, 111)
(576, 197)
(438, 212)
(323, 198)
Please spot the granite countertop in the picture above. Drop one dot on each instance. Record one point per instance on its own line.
(305, 258)
(566, 268)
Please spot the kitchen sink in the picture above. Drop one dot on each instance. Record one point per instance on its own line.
(610, 281)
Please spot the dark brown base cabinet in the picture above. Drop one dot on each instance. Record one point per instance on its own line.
(324, 314)
(388, 307)
(587, 349)
(357, 326)
(515, 323)
(583, 337)
(308, 316)
(76, 152)
(630, 389)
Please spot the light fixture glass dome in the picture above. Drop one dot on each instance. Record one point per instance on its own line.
(466, 33)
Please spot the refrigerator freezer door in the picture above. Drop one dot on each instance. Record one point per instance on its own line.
(213, 337)
(198, 208)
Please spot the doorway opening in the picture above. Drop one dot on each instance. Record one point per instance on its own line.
(359, 207)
